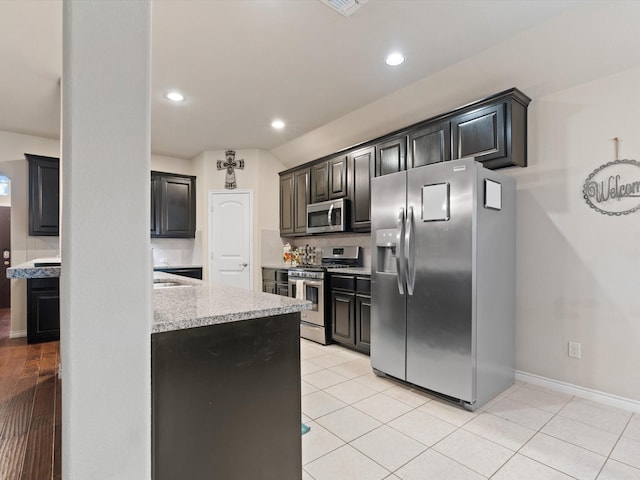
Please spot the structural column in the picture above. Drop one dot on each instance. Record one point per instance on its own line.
(106, 255)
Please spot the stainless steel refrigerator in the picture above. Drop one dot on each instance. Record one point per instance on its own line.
(443, 279)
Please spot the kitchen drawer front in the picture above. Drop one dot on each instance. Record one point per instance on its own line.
(343, 282)
(282, 276)
(269, 274)
(363, 285)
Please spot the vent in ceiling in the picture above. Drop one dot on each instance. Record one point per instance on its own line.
(344, 7)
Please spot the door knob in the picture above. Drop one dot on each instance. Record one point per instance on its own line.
(243, 264)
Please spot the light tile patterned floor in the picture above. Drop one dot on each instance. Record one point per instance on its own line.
(368, 428)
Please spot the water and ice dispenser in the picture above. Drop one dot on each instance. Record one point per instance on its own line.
(386, 243)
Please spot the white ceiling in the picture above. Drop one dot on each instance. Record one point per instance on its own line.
(241, 63)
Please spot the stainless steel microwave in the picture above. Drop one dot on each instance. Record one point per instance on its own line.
(331, 216)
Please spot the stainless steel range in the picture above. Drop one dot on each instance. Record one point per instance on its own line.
(310, 282)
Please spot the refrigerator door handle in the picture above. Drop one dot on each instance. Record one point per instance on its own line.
(409, 252)
(400, 252)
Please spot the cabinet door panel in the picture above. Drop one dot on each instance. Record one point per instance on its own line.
(270, 287)
(362, 169)
(363, 322)
(342, 310)
(390, 155)
(338, 177)
(44, 195)
(480, 133)
(286, 204)
(430, 145)
(301, 189)
(320, 182)
(155, 203)
(43, 310)
(177, 209)
(173, 205)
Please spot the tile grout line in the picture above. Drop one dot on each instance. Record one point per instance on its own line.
(479, 412)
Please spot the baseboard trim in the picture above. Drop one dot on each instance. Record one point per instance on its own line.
(18, 334)
(578, 391)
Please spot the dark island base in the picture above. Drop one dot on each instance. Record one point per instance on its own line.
(226, 401)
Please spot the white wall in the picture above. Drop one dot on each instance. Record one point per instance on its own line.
(260, 174)
(576, 269)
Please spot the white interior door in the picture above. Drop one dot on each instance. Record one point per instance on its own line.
(231, 238)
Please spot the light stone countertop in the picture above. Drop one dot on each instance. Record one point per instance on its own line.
(29, 270)
(198, 304)
(352, 270)
(349, 270)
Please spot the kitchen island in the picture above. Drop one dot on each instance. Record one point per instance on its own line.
(225, 369)
(225, 379)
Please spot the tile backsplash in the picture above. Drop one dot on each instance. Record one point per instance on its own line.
(177, 251)
(336, 240)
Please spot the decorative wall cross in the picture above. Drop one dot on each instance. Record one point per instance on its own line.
(230, 164)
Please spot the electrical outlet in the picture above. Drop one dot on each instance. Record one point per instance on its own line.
(575, 350)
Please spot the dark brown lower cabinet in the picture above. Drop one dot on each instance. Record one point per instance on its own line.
(275, 281)
(43, 309)
(342, 312)
(226, 401)
(351, 311)
(363, 322)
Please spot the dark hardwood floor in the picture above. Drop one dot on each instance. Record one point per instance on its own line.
(29, 410)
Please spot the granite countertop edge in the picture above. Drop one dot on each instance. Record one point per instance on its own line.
(29, 270)
(198, 304)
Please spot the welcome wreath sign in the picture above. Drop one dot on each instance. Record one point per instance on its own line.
(614, 188)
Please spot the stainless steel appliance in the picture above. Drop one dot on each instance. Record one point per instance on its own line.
(443, 279)
(310, 282)
(331, 216)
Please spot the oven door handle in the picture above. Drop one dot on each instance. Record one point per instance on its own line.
(313, 283)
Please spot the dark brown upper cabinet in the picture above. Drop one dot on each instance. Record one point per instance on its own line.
(295, 194)
(301, 197)
(173, 205)
(287, 205)
(329, 179)
(480, 133)
(44, 195)
(494, 131)
(338, 177)
(429, 144)
(362, 165)
(391, 155)
(320, 182)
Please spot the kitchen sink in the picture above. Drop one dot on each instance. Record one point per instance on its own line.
(161, 284)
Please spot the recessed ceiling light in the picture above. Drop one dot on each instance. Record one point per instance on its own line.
(394, 59)
(277, 124)
(175, 96)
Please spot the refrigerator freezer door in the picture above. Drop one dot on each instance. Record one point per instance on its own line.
(440, 352)
(388, 304)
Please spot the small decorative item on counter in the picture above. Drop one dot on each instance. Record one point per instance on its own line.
(290, 256)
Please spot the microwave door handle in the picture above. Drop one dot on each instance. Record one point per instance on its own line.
(329, 216)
